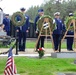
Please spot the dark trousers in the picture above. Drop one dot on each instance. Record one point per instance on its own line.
(69, 43)
(8, 33)
(56, 39)
(40, 41)
(22, 40)
(70, 40)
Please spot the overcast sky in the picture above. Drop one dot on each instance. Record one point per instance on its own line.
(10, 6)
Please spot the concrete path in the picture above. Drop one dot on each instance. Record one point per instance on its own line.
(29, 52)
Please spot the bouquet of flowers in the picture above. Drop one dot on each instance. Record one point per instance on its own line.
(41, 52)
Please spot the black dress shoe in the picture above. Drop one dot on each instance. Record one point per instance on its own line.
(70, 49)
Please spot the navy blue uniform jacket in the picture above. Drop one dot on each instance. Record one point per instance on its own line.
(25, 26)
(35, 22)
(6, 23)
(59, 26)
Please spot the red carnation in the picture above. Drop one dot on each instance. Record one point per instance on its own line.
(41, 52)
(40, 49)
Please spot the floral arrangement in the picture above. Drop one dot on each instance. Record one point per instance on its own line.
(68, 21)
(18, 23)
(41, 52)
(41, 21)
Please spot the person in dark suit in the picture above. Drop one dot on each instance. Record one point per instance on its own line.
(70, 39)
(6, 22)
(22, 31)
(58, 30)
(41, 39)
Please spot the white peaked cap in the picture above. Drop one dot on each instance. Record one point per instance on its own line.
(57, 13)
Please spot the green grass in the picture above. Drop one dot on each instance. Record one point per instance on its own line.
(44, 66)
(31, 44)
(48, 44)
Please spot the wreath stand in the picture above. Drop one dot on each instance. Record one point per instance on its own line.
(65, 35)
(17, 23)
(67, 54)
(47, 26)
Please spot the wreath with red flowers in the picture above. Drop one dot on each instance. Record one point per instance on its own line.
(41, 52)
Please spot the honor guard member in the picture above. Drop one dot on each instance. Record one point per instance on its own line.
(58, 30)
(6, 22)
(22, 32)
(41, 39)
(70, 39)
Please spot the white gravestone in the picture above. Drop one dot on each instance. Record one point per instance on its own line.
(1, 17)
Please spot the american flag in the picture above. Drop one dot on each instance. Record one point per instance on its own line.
(10, 68)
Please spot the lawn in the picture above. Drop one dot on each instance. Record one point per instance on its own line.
(36, 66)
(31, 44)
(44, 66)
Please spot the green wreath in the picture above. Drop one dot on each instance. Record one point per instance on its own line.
(14, 20)
(40, 23)
(68, 20)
